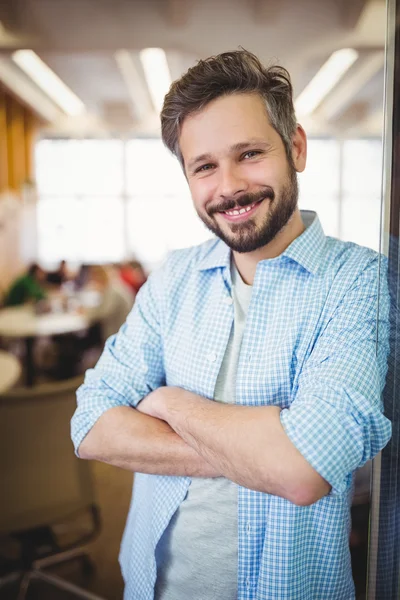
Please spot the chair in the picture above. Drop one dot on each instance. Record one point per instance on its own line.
(43, 485)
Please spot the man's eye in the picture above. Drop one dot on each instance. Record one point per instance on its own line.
(251, 154)
(204, 168)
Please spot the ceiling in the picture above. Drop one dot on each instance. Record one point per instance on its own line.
(79, 39)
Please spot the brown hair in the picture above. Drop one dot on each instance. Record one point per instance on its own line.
(229, 73)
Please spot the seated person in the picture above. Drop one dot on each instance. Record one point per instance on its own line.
(58, 276)
(133, 274)
(116, 298)
(82, 277)
(28, 287)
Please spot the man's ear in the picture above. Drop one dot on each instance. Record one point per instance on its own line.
(299, 149)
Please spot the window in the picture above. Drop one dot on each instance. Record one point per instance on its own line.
(319, 183)
(107, 200)
(361, 203)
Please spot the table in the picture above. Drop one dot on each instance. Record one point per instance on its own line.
(23, 322)
(10, 370)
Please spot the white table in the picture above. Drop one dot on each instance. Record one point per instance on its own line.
(22, 322)
(10, 370)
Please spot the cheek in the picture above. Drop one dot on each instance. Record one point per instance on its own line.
(271, 173)
(202, 193)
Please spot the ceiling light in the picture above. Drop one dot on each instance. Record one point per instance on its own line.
(157, 74)
(131, 71)
(326, 79)
(48, 81)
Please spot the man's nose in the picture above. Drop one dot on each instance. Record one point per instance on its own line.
(231, 182)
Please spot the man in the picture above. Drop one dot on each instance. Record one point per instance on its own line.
(244, 388)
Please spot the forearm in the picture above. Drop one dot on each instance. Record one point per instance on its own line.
(247, 444)
(125, 438)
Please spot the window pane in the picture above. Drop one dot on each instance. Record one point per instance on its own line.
(362, 182)
(58, 230)
(79, 167)
(102, 234)
(101, 163)
(57, 167)
(157, 225)
(362, 167)
(321, 175)
(327, 209)
(89, 230)
(361, 220)
(319, 183)
(151, 169)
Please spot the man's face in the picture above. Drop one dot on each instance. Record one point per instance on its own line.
(242, 185)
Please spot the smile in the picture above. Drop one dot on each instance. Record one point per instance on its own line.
(239, 214)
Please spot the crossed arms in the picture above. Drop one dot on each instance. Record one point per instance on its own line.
(175, 432)
(127, 417)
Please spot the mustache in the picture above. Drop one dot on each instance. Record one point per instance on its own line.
(242, 201)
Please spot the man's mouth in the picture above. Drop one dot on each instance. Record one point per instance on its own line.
(240, 213)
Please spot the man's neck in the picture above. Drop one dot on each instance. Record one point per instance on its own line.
(246, 263)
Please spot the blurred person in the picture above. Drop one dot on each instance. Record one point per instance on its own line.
(82, 277)
(245, 385)
(133, 274)
(29, 287)
(116, 299)
(60, 275)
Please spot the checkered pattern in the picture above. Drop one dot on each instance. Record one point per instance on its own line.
(309, 346)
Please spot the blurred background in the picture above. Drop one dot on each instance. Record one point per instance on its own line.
(92, 201)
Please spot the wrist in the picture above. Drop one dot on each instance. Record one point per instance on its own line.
(167, 404)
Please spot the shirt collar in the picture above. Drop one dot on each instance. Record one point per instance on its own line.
(306, 249)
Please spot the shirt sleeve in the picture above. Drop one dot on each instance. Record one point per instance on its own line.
(336, 419)
(130, 367)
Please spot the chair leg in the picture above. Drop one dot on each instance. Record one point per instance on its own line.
(9, 579)
(64, 585)
(23, 588)
(61, 557)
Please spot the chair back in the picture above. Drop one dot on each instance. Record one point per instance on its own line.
(42, 481)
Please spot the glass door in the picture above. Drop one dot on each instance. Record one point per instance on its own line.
(384, 544)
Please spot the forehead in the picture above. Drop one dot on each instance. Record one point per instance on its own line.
(223, 123)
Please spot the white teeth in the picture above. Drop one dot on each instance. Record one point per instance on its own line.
(236, 212)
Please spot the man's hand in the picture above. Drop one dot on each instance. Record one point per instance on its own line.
(158, 404)
(164, 401)
(153, 404)
(246, 444)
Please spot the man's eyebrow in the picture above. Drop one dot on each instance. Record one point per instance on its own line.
(251, 142)
(200, 158)
(234, 148)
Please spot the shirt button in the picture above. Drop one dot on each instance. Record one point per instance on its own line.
(248, 529)
(249, 358)
(248, 584)
(212, 357)
(228, 300)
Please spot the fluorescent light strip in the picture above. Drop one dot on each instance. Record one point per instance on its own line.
(157, 74)
(325, 80)
(48, 81)
(131, 72)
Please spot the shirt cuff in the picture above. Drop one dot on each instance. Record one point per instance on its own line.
(329, 439)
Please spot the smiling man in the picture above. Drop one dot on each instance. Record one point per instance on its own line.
(245, 387)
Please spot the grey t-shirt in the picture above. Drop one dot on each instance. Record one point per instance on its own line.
(197, 554)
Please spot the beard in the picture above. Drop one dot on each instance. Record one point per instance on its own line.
(248, 236)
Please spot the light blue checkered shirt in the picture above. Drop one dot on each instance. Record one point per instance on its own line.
(309, 346)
